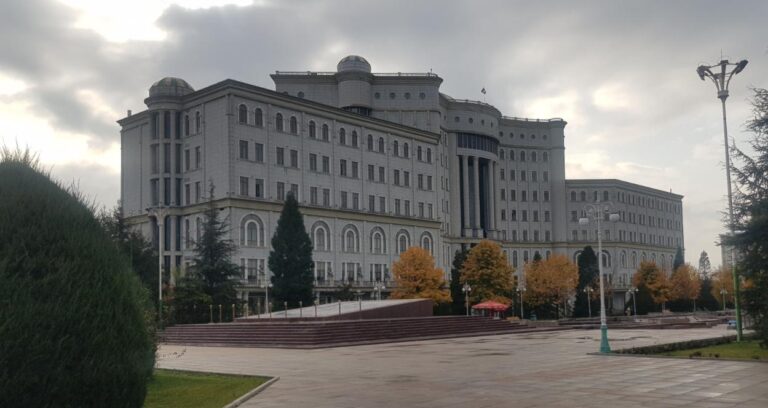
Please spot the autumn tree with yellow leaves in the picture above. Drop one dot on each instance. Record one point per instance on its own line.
(651, 280)
(723, 279)
(416, 277)
(550, 282)
(685, 284)
(489, 274)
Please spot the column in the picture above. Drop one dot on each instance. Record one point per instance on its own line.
(476, 172)
(465, 188)
(492, 199)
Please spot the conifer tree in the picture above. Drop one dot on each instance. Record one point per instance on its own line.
(457, 296)
(213, 257)
(679, 259)
(705, 267)
(588, 273)
(291, 257)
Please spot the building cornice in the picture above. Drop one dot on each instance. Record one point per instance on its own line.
(592, 183)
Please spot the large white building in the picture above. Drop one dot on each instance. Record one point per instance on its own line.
(379, 162)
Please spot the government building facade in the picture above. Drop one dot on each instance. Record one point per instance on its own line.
(379, 162)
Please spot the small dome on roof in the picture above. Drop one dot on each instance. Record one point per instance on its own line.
(170, 86)
(353, 63)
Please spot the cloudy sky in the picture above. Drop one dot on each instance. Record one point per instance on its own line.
(622, 74)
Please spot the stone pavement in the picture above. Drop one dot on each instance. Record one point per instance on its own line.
(518, 370)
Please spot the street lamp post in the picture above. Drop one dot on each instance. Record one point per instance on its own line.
(159, 214)
(522, 311)
(466, 289)
(377, 288)
(588, 290)
(723, 292)
(633, 291)
(721, 76)
(266, 287)
(597, 211)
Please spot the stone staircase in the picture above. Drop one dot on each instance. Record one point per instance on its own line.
(320, 334)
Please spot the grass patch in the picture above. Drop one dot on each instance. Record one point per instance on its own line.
(746, 350)
(171, 388)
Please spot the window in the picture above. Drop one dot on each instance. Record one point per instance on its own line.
(355, 169)
(243, 149)
(371, 172)
(405, 150)
(197, 122)
(429, 155)
(355, 139)
(546, 196)
(326, 164)
(403, 241)
(312, 129)
(350, 239)
(321, 237)
(244, 182)
(326, 197)
(546, 176)
(258, 189)
(312, 162)
(583, 196)
(547, 216)
(407, 178)
(259, 118)
(343, 167)
(344, 200)
(294, 158)
(382, 204)
(378, 241)
(381, 174)
(605, 196)
(395, 148)
(281, 191)
(294, 125)
(186, 125)
(259, 152)
(533, 156)
(252, 231)
(242, 114)
(279, 122)
(325, 133)
(426, 242)
(573, 196)
(313, 195)
(381, 145)
(197, 192)
(342, 136)
(546, 156)
(396, 177)
(370, 142)
(522, 156)
(155, 158)
(198, 157)
(419, 153)
(280, 154)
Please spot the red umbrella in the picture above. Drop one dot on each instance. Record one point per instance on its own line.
(491, 305)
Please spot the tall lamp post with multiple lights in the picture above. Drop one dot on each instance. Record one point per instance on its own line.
(588, 290)
(597, 212)
(466, 289)
(159, 214)
(721, 74)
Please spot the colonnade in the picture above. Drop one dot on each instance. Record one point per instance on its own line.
(476, 201)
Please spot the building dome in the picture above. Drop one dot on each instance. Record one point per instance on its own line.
(170, 86)
(353, 63)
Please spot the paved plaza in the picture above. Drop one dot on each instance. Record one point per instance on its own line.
(518, 370)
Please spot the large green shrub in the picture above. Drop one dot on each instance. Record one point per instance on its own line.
(75, 323)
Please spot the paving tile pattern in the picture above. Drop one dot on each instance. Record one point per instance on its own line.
(522, 370)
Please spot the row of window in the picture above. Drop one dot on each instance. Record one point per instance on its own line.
(630, 199)
(523, 236)
(627, 236)
(353, 140)
(406, 95)
(524, 175)
(633, 218)
(521, 155)
(524, 215)
(523, 195)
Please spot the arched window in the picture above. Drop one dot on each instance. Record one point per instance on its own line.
(653, 258)
(514, 259)
(605, 196)
(419, 153)
(197, 122)
(378, 241)
(294, 125)
(663, 263)
(548, 254)
(312, 129)
(370, 142)
(501, 154)
(511, 154)
(573, 196)
(606, 259)
(403, 241)
(643, 257)
(405, 150)
(546, 156)
(279, 122)
(427, 242)
(522, 156)
(355, 140)
(583, 196)
(429, 155)
(325, 132)
(623, 259)
(395, 148)
(381, 145)
(533, 156)
(186, 125)
(252, 231)
(242, 114)
(321, 237)
(350, 239)
(259, 117)
(342, 136)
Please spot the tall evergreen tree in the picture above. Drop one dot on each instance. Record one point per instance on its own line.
(751, 213)
(588, 273)
(457, 296)
(213, 257)
(291, 257)
(679, 259)
(705, 267)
